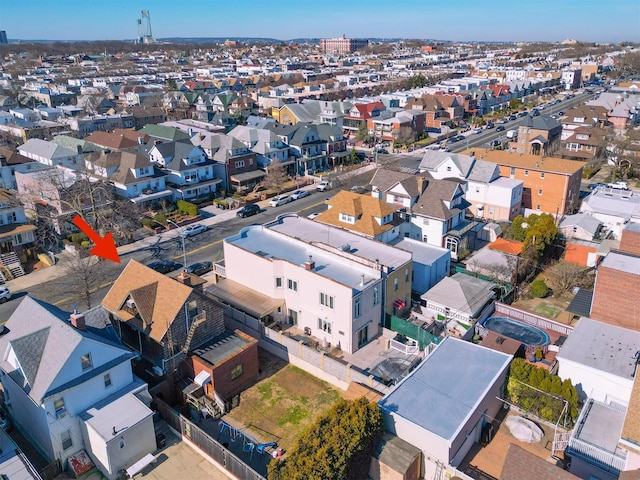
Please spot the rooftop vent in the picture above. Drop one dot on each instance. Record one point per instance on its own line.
(345, 248)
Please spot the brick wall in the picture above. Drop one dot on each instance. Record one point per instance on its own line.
(615, 298)
(221, 374)
(630, 241)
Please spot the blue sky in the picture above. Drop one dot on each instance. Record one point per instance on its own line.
(497, 20)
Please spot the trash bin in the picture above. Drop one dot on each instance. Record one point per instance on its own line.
(161, 440)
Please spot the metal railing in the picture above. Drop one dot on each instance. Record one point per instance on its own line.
(607, 460)
(533, 319)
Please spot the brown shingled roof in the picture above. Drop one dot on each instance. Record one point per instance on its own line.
(364, 208)
(523, 465)
(631, 428)
(158, 298)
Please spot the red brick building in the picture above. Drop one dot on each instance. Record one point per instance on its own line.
(231, 363)
(616, 293)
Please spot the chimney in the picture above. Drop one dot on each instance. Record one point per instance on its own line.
(362, 279)
(77, 321)
(310, 264)
(184, 278)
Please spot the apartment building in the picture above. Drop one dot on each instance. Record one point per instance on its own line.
(342, 44)
(551, 185)
(331, 284)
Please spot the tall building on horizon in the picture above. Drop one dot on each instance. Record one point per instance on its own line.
(342, 44)
(3, 37)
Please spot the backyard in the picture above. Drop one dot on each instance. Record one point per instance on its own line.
(284, 402)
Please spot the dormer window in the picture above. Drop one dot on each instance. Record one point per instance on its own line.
(86, 362)
(59, 407)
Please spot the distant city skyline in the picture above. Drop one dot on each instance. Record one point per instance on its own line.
(608, 21)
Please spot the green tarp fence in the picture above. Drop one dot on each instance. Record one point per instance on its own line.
(412, 331)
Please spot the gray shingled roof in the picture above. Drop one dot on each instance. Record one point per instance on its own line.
(43, 148)
(432, 201)
(584, 221)
(541, 122)
(461, 293)
(43, 341)
(175, 152)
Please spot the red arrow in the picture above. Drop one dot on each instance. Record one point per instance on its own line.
(105, 247)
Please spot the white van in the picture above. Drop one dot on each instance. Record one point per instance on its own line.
(512, 134)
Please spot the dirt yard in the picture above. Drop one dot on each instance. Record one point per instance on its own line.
(284, 402)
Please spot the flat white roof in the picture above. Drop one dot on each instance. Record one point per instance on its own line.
(447, 387)
(601, 346)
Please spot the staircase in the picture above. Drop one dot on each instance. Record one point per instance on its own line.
(212, 409)
(12, 264)
(196, 321)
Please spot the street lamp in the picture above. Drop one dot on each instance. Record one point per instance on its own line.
(184, 249)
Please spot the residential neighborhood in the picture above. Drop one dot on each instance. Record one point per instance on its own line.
(342, 257)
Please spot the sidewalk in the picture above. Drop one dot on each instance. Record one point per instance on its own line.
(214, 216)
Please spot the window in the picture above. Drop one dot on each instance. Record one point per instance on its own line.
(513, 170)
(357, 311)
(347, 218)
(406, 274)
(537, 207)
(541, 174)
(65, 439)
(526, 173)
(425, 221)
(121, 443)
(237, 371)
(540, 192)
(293, 316)
(448, 169)
(395, 284)
(326, 300)
(58, 406)
(278, 282)
(292, 284)
(107, 380)
(324, 326)
(376, 295)
(575, 229)
(240, 164)
(86, 361)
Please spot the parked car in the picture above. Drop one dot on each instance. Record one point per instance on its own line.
(5, 421)
(459, 138)
(199, 268)
(512, 117)
(194, 229)
(593, 186)
(248, 210)
(299, 194)
(500, 128)
(5, 294)
(323, 185)
(279, 200)
(560, 113)
(163, 266)
(314, 215)
(489, 125)
(535, 112)
(476, 131)
(523, 114)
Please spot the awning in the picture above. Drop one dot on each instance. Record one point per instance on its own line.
(245, 299)
(202, 378)
(247, 176)
(13, 229)
(399, 304)
(151, 196)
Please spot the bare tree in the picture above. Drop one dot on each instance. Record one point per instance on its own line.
(502, 274)
(276, 176)
(564, 276)
(83, 276)
(406, 135)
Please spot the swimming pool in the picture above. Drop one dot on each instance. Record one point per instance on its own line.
(525, 333)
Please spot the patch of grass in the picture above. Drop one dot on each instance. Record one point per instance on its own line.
(548, 310)
(293, 415)
(266, 389)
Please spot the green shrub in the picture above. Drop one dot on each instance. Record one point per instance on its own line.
(339, 445)
(539, 289)
(160, 218)
(85, 243)
(149, 222)
(188, 208)
(78, 238)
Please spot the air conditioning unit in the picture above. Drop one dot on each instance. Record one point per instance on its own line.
(307, 331)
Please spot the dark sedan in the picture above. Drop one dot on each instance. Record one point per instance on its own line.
(164, 266)
(199, 268)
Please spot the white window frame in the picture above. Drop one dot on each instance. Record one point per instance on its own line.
(324, 325)
(357, 308)
(279, 282)
(59, 407)
(107, 380)
(292, 285)
(65, 438)
(86, 362)
(326, 300)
